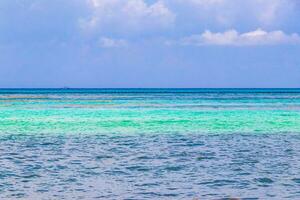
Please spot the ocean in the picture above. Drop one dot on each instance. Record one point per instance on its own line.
(149, 143)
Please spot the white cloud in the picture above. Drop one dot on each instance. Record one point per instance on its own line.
(204, 2)
(228, 12)
(106, 42)
(127, 16)
(234, 38)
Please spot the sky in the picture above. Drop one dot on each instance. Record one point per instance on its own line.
(149, 43)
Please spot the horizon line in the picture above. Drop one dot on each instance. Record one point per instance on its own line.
(121, 88)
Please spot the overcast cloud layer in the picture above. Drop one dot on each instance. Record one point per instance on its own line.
(149, 43)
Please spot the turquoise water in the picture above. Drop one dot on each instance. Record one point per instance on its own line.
(150, 143)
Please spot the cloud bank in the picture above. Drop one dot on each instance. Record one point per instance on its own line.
(234, 38)
(228, 12)
(119, 16)
(104, 22)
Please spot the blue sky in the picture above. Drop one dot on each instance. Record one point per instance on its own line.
(149, 43)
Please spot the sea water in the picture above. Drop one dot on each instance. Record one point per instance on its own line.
(149, 143)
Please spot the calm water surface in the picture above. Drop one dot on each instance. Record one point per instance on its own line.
(150, 144)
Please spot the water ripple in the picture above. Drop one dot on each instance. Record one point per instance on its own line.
(150, 167)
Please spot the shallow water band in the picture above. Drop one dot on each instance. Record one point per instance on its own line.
(149, 111)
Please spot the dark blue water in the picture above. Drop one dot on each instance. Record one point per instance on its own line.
(149, 90)
(150, 167)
